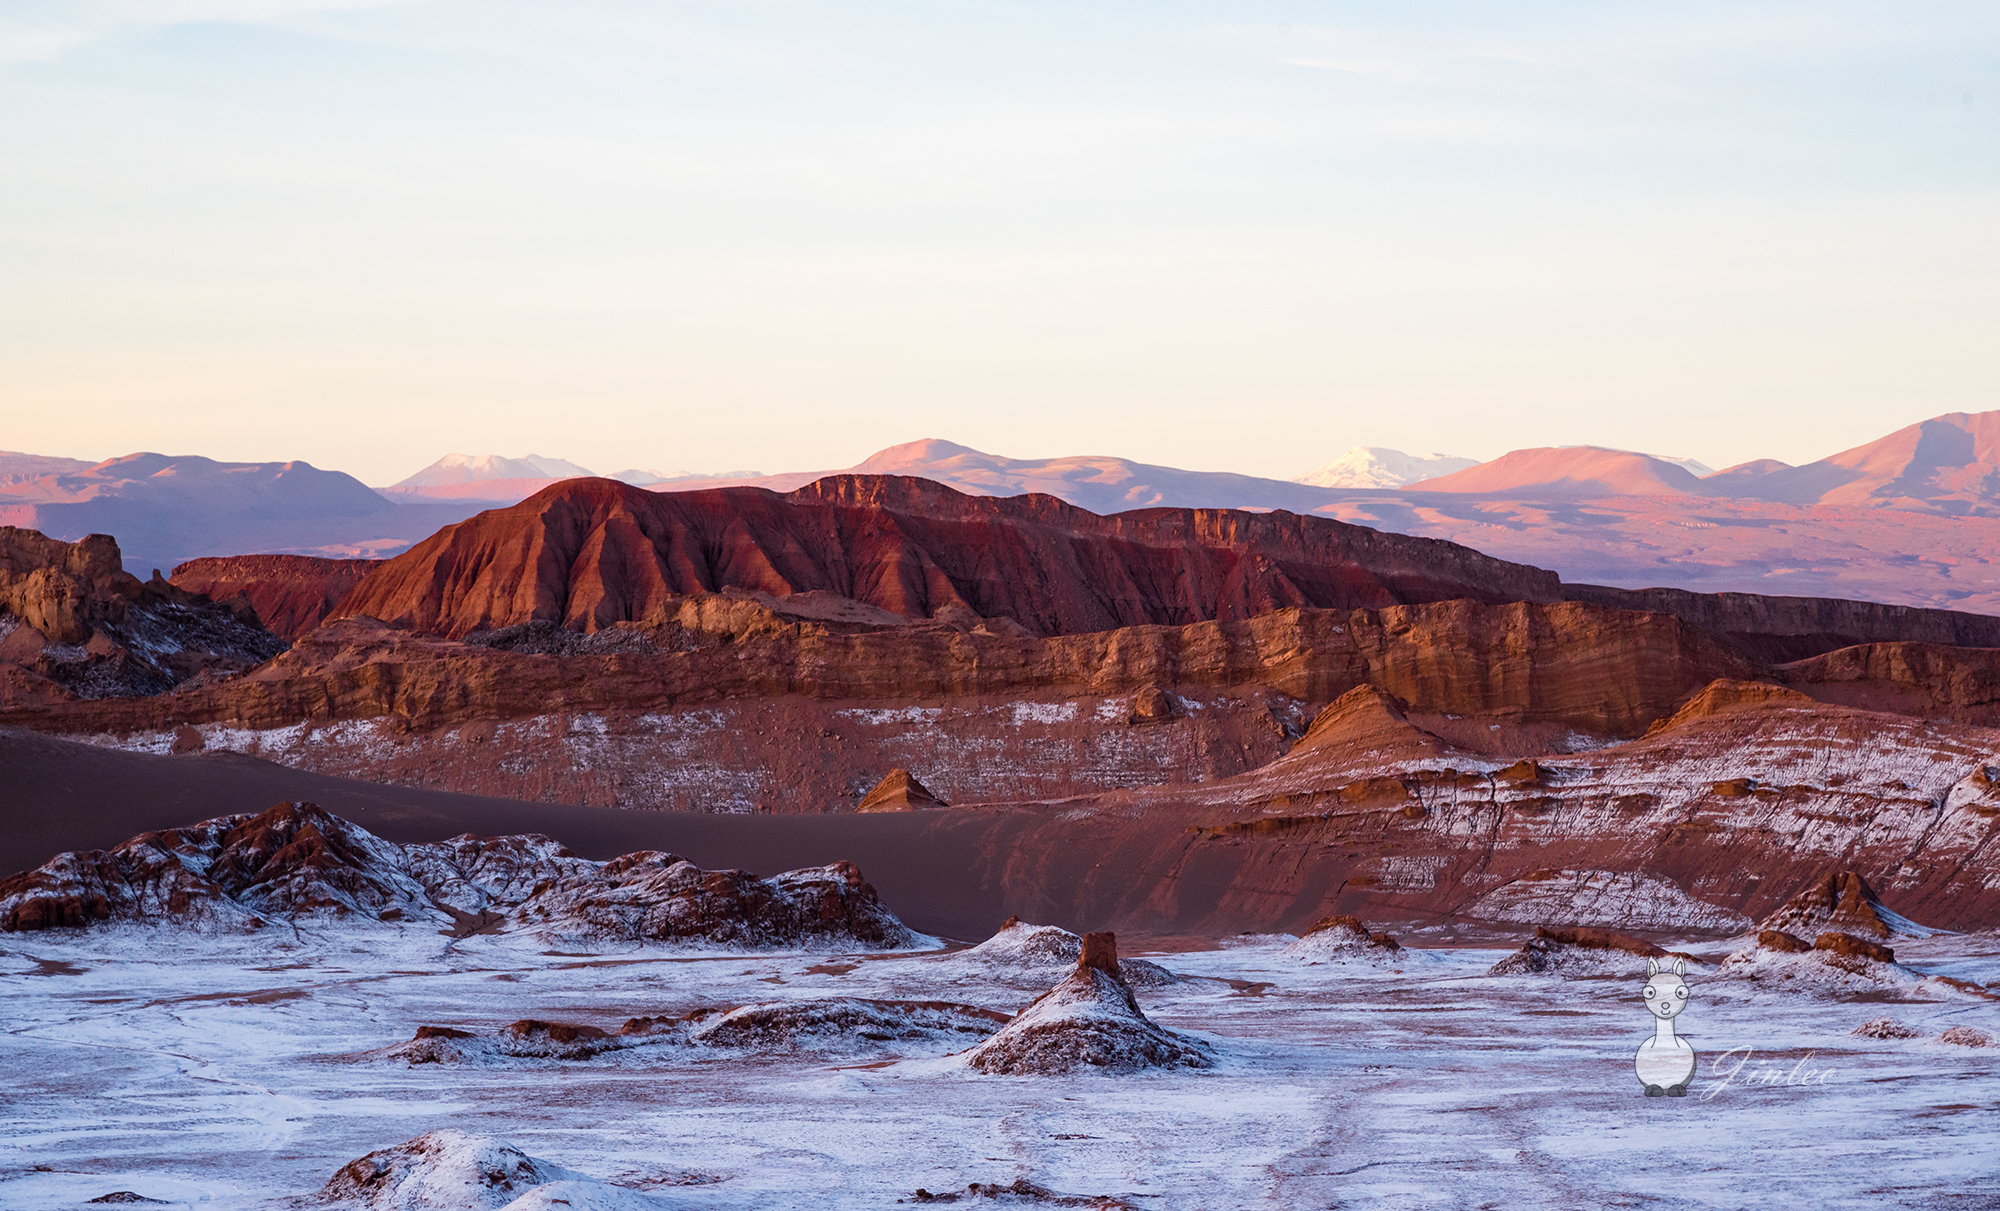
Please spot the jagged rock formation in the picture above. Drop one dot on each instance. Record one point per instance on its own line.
(593, 552)
(445, 1170)
(845, 1024)
(899, 791)
(75, 624)
(235, 871)
(1087, 1021)
(1573, 952)
(297, 862)
(1838, 901)
(652, 896)
(1020, 1193)
(1342, 939)
(291, 594)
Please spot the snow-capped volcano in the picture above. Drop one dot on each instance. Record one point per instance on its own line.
(472, 468)
(1381, 467)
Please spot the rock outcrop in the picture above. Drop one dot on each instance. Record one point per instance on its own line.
(290, 862)
(847, 1025)
(74, 624)
(1603, 899)
(296, 862)
(656, 897)
(1031, 951)
(1835, 964)
(1838, 901)
(1343, 939)
(1088, 1021)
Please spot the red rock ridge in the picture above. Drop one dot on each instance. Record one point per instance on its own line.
(589, 553)
(290, 593)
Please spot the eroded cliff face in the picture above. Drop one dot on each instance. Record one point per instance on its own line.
(591, 553)
(733, 704)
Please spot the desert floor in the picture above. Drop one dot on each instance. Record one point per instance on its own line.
(232, 1072)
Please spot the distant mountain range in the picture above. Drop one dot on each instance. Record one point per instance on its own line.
(166, 509)
(1911, 518)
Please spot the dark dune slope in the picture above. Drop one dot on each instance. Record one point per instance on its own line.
(57, 795)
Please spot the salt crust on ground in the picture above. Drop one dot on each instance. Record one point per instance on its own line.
(223, 1072)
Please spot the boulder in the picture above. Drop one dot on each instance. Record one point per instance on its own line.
(1886, 1028)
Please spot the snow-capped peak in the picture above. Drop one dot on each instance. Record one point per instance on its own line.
(1381, 467)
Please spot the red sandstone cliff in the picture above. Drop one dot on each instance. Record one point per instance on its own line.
(589, 553)
(290, 593)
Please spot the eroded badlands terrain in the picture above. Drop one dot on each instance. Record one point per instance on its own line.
(1388, 834)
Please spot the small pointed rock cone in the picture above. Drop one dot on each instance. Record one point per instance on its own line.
(1088, 1021)
(899, 792)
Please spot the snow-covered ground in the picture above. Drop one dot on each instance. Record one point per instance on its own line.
(230, 1072)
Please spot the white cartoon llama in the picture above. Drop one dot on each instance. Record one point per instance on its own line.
(1665, 1062)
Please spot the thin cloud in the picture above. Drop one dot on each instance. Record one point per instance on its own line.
(57, 28)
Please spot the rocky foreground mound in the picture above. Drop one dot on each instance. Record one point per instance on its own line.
(845, 1026)
(446, 1170)
(1578, 952)
(1344, 939)
(1087, 1021)
(296, 862)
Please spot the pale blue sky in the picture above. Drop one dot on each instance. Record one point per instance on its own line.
(1235, 236)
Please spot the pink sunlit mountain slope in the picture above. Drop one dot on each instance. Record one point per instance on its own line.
(166, 509)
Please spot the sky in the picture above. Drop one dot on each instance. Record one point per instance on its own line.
(781, 235)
